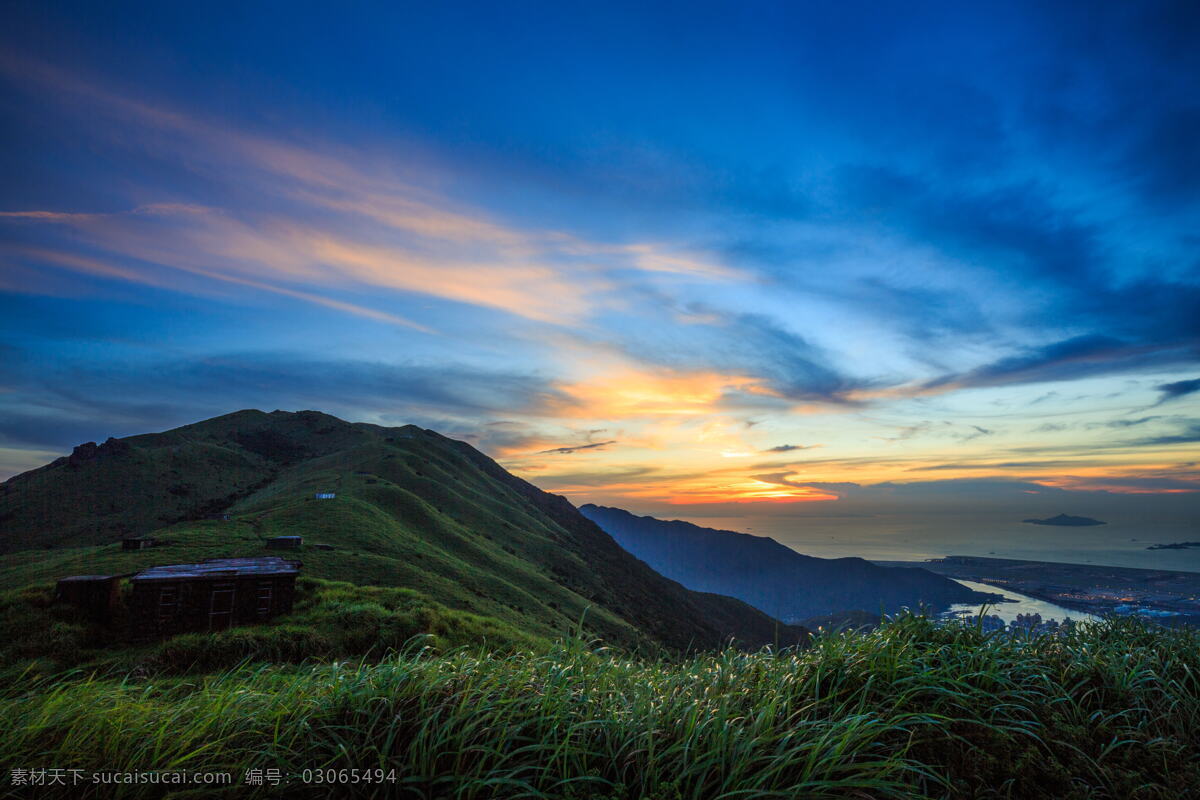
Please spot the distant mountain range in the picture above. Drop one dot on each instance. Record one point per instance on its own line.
(1066, 521)
(404, 507)
(770, 576)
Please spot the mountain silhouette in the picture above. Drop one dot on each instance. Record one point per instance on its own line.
(770, 576)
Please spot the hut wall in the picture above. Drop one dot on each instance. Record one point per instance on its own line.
(208, 603)
(97, 595)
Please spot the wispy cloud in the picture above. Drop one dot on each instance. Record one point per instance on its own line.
(1177, 389)
(576, 448)
(1079, 357)
(352, 223)
(65, 404)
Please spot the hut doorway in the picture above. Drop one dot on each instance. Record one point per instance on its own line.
(220, 614)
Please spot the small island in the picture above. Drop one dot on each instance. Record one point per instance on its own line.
(1174, 546)
(1066, 521)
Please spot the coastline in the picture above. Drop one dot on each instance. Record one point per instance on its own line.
(1168, 596)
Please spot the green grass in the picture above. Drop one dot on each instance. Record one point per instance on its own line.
(912, 709)
(340, 620)
(330, 619)
(424, 643)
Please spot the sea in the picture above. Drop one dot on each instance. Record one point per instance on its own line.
(1119, 543)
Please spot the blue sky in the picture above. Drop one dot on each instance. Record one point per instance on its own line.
(667, 256)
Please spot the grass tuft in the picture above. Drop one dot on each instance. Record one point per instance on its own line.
(912, 709)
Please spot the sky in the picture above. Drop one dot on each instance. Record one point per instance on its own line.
(689, 259)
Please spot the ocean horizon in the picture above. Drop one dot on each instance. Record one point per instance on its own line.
(899, 537)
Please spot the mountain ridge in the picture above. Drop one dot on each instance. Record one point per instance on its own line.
(771, 576)
(413, 509)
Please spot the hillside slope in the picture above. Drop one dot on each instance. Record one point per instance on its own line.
(770, 576)
(413, 509)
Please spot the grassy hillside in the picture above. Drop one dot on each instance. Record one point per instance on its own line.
(909, 710)
(456, 642)
(413, 509)
(330, 620)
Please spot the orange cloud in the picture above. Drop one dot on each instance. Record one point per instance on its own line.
(748, 491)
(1113, 485)
(1127, 479)
(529, 290)
(388, 233)
(709, 489)
(630, 392)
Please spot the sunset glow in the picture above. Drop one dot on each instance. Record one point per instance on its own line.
(623, 288)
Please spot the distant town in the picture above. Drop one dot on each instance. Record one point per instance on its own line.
(1172, 598)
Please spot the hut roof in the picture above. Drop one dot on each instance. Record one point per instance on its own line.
(266, 565)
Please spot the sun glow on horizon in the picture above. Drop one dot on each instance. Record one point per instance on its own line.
(809, 303)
